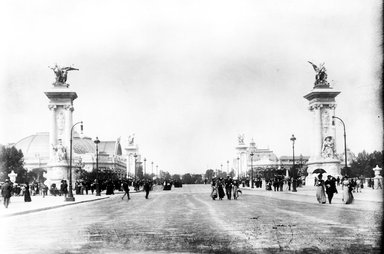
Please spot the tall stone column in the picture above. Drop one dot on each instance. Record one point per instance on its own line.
(61, 106)
(131, 150)
(52, 131)
(68, 124)
(322, 104)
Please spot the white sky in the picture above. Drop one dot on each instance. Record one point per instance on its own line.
(188, 76)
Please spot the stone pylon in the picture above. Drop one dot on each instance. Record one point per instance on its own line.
(322, 104)
(61, 108)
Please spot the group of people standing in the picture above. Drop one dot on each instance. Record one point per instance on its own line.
(7, 192)
(329, 187)
(229, 185)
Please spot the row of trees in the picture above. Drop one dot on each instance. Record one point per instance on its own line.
(13, 159)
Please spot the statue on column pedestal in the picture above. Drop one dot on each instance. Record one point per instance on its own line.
(60, 152)
(61, 74)
(328, 150)
(321, 75)
(241, 139)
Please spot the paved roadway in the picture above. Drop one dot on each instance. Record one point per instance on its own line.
(187, 220)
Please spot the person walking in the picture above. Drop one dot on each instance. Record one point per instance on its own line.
(330, 187)
(220, 188)
(65, 188)
(147, 188)
(125, 187)
(214, 189)
(320, 192)
(347, 190)
(6, 191)
(235, 189)
(27, 194)
(228, 187)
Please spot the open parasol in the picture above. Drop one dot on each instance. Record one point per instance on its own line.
(319, 171)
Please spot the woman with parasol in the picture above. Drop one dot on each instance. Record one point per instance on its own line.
(320, 189)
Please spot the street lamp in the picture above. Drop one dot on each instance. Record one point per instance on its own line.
(97, 142)
(135, 155)
(228, 167)
(293, 139)
(145, 166)
(252, 170)
(70, 194)
(345, 141)
(157, 171)
(238, 167)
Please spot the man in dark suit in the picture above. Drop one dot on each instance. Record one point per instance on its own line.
(147, 188)
(228, 187)
(125, 186)
(330, 187)
(6, 191)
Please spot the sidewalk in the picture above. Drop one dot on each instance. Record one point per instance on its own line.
(366, 194)
(17, 205)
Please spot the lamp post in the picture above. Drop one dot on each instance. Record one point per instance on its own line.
(345, 140)
(228, 167)
(152, 168)
(238, 167)
(252, 185)
(70, 194)
(293, 139)
(157, 171)
(135, 155)
(97, 142)
(145, 160)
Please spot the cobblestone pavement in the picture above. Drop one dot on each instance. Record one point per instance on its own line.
(187, 220)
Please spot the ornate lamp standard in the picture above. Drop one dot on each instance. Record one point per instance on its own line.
(345, 141)
(145, 160)
(157, 171)
(252, 170)
(238, 167)
(221, 168)
(135, 155)
(97, 142)
(70, 194)
(228, 167)
(152, 168)
(293, 139)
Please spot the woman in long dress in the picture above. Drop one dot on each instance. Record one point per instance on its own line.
(27, 194)
(347, 191)
(214, 189)
(320, 190)
(221, 189)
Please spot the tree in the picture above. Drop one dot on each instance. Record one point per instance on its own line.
(209, 174)
(176, 177)
(187, 179)
(12, 159)
(365, 162)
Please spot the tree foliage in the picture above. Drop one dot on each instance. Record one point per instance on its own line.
(364, 164)
(12, 159)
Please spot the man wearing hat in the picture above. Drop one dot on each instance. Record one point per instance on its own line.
(6, 190)
(330, 187)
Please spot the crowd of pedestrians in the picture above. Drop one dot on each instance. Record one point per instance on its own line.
(348, 186)
(80, 187)
(230, 186)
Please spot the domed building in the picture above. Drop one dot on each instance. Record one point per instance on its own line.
(36, 152)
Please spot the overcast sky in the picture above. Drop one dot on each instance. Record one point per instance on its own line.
(187, 77)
